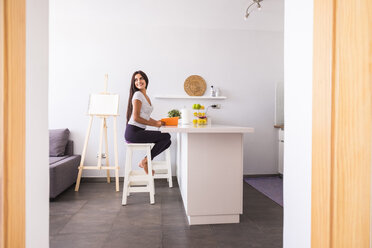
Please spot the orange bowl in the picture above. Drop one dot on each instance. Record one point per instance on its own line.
(172, 121)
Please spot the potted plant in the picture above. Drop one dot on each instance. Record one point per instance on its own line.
(174, 113)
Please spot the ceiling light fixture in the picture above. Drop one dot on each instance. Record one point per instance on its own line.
(249, 10)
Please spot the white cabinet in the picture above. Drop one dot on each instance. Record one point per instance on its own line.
(211, 185)
(281, 151)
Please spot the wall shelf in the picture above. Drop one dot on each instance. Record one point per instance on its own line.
(191, 97)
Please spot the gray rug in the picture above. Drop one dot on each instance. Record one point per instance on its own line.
(272, 187)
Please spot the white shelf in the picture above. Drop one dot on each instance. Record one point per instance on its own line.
(191, 97)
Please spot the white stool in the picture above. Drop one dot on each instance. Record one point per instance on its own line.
(143, 182)
(163, 168)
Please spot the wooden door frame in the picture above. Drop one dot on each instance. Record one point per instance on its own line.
(2, 222)
(329, 128)
(342, 120)
(12, 122)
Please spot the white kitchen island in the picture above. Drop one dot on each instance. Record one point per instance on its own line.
(210, 171)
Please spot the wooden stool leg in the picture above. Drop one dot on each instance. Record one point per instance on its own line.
(125, 192)
(169, 167)
(83, 154)
(127, 168)
(150, 177)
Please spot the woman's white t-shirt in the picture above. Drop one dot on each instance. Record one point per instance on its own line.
(146, 109)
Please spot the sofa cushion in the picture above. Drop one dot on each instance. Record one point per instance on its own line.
(58, 139)
(69, 148)
(53, 160)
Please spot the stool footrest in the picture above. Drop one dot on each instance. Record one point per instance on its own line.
(161, 176)
(139, 189)
(137, 173)
(138, 178)
(159, 162)
(138, 183)
(160, 167)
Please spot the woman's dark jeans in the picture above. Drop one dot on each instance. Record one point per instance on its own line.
(134, 134)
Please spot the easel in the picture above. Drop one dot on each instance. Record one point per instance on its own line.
(104, 113)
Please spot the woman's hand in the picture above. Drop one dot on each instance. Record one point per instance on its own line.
(156, 123)
(159, 123)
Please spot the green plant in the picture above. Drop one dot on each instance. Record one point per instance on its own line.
(174, 113)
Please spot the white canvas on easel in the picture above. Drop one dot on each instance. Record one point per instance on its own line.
(103, 105)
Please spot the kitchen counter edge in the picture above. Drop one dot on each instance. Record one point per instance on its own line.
(206, 129)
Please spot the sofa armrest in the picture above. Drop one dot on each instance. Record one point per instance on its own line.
(63, 174)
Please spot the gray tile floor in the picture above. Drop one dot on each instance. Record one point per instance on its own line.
(94, 217)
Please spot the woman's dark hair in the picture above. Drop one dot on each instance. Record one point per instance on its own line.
(132, 90)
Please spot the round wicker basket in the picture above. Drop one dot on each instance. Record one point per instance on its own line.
(195, 85)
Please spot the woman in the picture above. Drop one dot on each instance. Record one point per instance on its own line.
(138, 117)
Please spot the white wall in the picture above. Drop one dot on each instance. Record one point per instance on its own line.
(298, 37)
(37, 169)
(169, 40)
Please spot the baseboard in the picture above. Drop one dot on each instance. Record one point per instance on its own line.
(262, 175)
(121, 179)
(99, 179)
(104, 179)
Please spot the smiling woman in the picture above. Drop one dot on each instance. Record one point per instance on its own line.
(138, 117)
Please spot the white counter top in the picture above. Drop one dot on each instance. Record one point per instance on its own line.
(205, 129)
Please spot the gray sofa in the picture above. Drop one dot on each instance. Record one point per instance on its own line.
(63, 166)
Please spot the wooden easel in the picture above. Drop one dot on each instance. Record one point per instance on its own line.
(103, 131)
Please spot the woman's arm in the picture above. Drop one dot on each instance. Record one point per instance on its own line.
(137, 104)
(162, 122)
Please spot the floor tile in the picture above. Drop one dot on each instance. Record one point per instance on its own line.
(237, 235)
(94, 217)
(57, 222)
(76, 240)
(89, 223)
(150, 238)
(65, 207)
(189, 238)
(138, 218)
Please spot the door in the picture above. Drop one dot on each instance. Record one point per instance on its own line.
(342, 119)
(12, 122)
